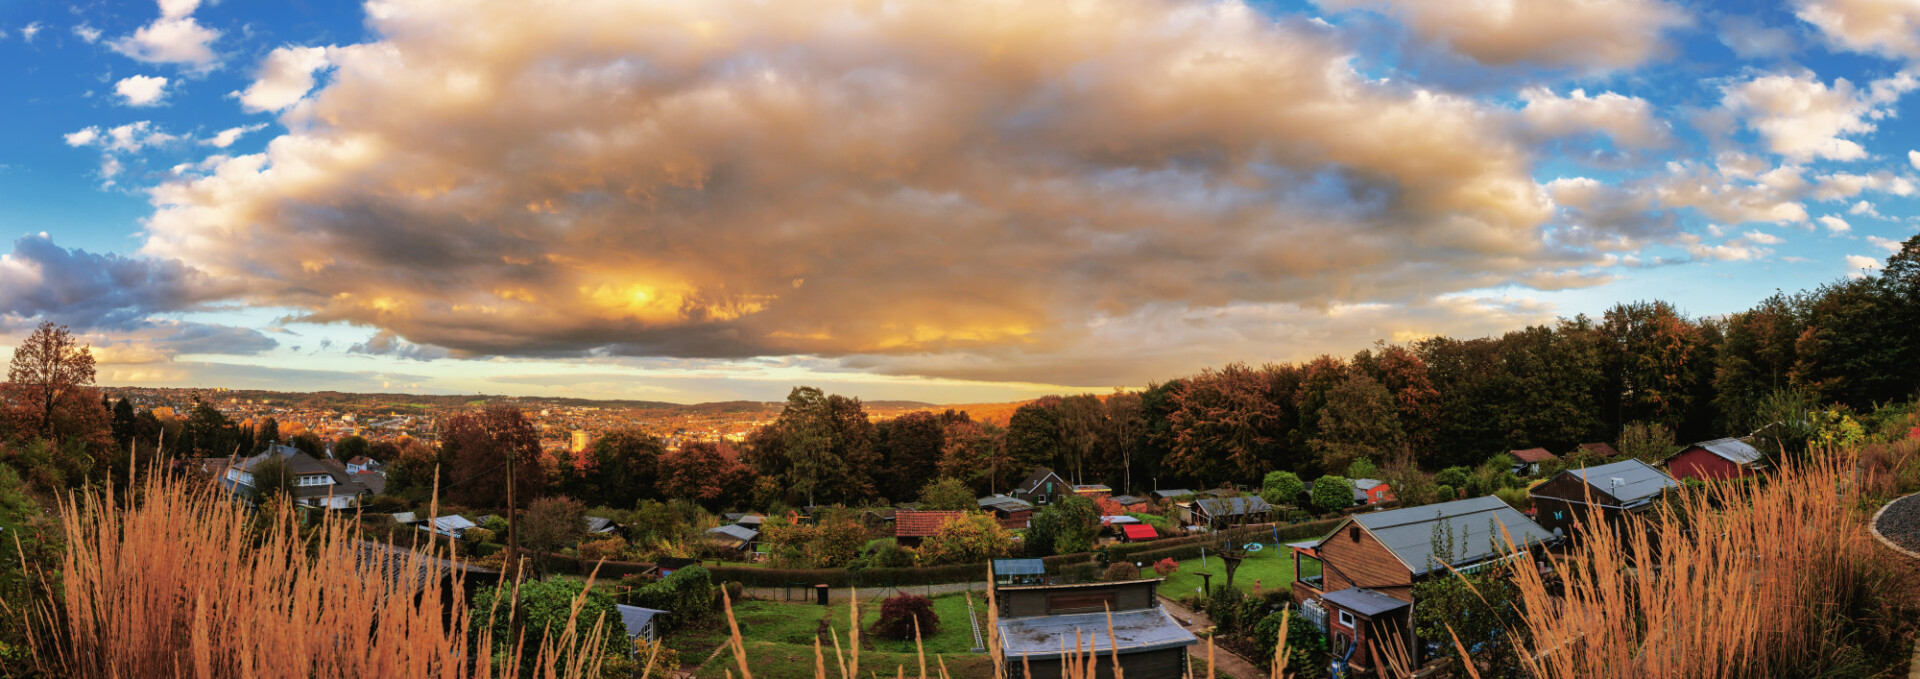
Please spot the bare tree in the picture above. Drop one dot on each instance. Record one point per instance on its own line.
(47, 367)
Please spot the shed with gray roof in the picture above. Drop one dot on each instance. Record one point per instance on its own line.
(1475, 525)
(1717, 459)
(1614, 488)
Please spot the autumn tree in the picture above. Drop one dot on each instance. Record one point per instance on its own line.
(1033, 435)
(550, 524)
(1357, 420)
(973, 538)
(50, 369)
(1126, 428)
(1404, 375)
(1227, 423)
(821, 445)
(265, 434)
(707, 473)
(1650, 350)
(947, 494)
(1083, 426)
(1064, 527)
(616, 470)
(911, 446)
(478, 449)
(976, 452)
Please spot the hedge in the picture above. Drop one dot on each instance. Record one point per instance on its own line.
(1177, 548)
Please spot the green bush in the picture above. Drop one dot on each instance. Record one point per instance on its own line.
(1332, 492)
(687, 595)
(1122, 570)
(1306, 644)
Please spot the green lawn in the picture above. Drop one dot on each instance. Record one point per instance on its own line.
(788, 661)
(780, 636)
(1272, 568)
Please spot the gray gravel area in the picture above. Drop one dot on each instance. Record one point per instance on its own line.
(1900, 522)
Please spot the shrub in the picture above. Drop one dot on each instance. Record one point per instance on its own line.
(972, 539)
(663, 659)
(384, 504)
(543, 609)
(1306, 644)
(611, 548)
(898, 613)
(687, 595)
(496, 524)
(1223, 605)
(1282, 489)
(1453, 476)
(1446, 492)
(1332, 492)
(1166, 567)
(1122, 570)
(736, 590)
(474, 537)
(892, 556)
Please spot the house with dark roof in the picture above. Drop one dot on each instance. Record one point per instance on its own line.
(1171, 494)
(315, 482)
(1527, 462)
(1616, 489)
(1714, 460)
(1357, 582)
(1130, 502)
(1117, 621)
(909, 528)
(1041, 487)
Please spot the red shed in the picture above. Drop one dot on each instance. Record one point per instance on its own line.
(1138, 532)
(1714, 460)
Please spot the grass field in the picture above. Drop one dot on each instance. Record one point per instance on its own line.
(1272, 568)
(780, 635)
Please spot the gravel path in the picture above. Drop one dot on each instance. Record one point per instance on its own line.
(1899, 523)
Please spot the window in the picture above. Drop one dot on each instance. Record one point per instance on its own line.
(1347, 619)
(1354, 532)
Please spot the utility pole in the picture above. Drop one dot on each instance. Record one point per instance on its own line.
(513, 521)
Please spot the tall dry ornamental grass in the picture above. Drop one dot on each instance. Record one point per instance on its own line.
(182, 582)
(1772, 579)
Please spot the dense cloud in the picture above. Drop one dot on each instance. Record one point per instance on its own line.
(1595, 35)
(94, 291)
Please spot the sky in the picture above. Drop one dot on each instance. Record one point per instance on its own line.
(946, 202)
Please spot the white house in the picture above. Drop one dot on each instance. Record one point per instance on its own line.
(316, 482)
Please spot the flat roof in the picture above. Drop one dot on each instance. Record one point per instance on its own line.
(1363, 601)
(1135, 631)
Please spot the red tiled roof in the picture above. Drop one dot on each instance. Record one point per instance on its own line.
(1600, 449)
(1532, 455)
(921, 524)
(1139, 531)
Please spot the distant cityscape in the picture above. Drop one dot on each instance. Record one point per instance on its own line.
(564, 424)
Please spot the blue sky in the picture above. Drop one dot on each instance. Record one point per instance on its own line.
(715, 200)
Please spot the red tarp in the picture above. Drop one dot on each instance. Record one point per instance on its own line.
(1139, 531)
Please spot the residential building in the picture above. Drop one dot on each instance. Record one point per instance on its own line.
(1714, 460)
(1113, 620)
(316, 482)
(1616, 489)
(453, 526)
(1041, 487)
(1357, 582)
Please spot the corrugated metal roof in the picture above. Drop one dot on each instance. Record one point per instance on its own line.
(1233, 506)
(1364, 601)
(1637, 480)
(1475, 522)
(636, 618)
(737, 532)
(1135, 631)
(1019, 567)
(1733, 450)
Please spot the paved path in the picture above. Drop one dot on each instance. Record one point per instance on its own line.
(1225, 662)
